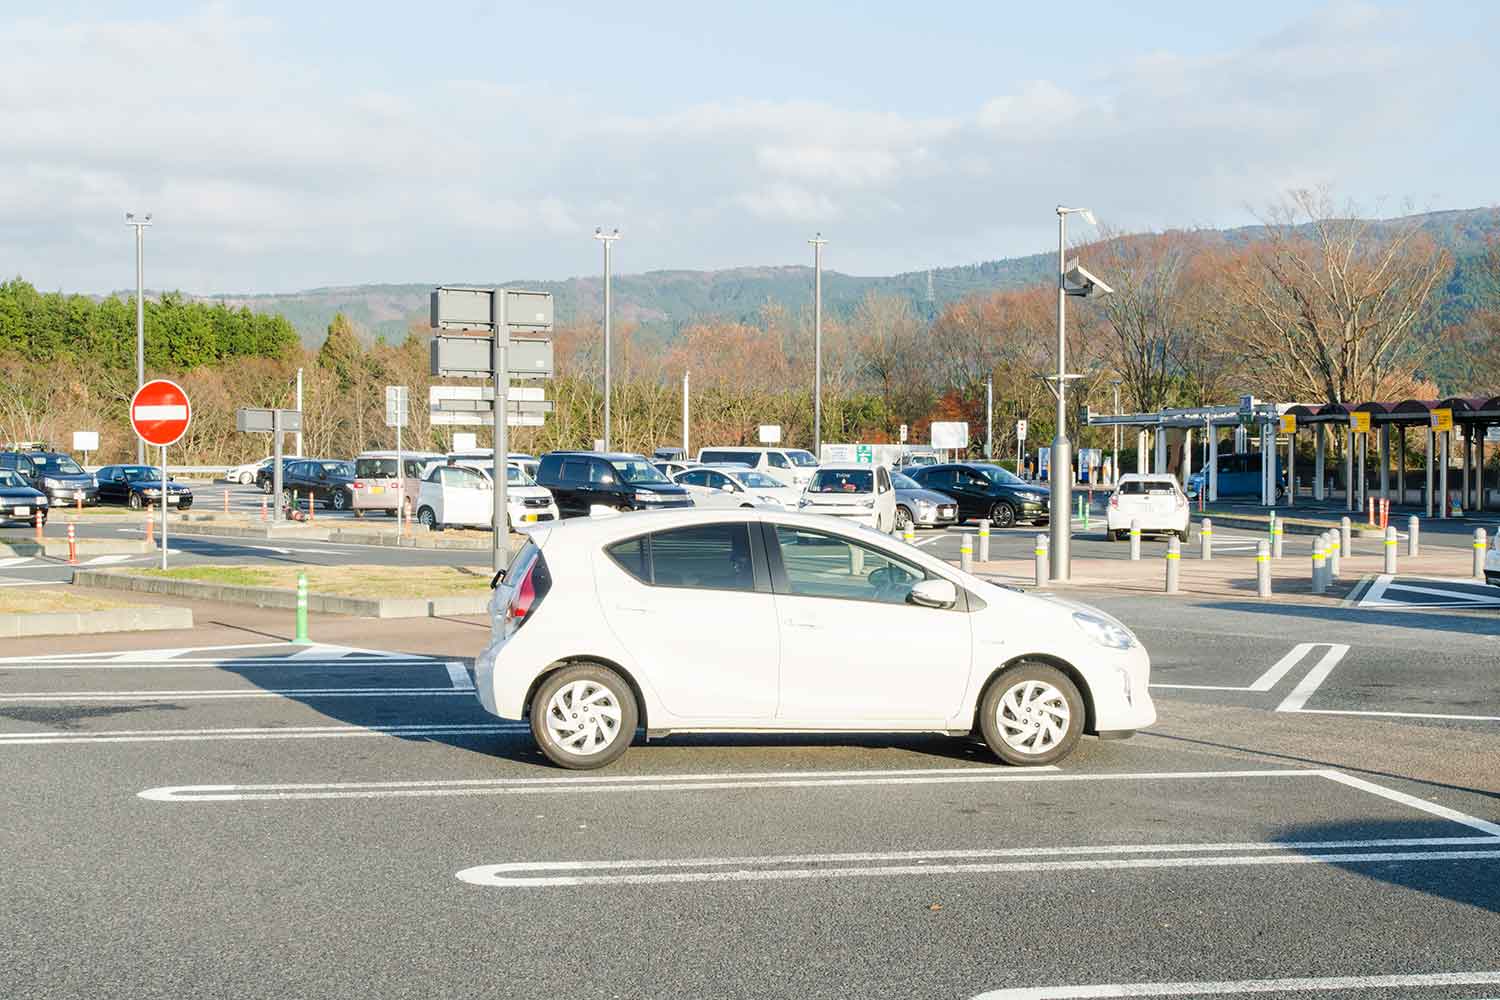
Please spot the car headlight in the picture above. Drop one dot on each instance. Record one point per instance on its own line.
(1103, 631)
(925, 506)
(51, 483)
(41, 501)
(152, 491)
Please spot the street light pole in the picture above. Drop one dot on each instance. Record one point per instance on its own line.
(140, 318)
(1114, 461)
(817, 243)
(989, 417)
(607, 239)
(1060, 466)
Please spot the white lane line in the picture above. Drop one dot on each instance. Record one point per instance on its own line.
(62, 697)
(10, 561)
(50, 738)
(1240, 986)
(1265, 681)
(1399, 715)
(251, 661)
(668, 783)
(1411, 801)
(108, 560)
(511, 875)
(150, 654)
(1315, 677)
(458, 674)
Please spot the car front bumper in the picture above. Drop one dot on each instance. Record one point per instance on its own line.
(60, 496)
(935, 517)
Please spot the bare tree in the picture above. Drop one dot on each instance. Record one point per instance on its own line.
(1145, 328)
(1335, 300)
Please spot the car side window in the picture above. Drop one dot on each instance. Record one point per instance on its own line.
(630, 555)
(703, 557)
(695, 477)
(778, 460)
(819, 565)
(883, 478)
(601, 473)
(719, 481)
(575, 470)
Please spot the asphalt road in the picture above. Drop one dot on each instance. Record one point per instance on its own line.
(251, 823)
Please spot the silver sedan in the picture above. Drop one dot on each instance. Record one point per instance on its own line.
(916, 505)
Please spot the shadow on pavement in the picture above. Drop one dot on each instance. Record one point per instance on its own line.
(1473, 882)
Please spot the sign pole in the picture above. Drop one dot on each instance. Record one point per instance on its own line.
(163, 506)
(275, 467)
(501, 374)
(400, 464)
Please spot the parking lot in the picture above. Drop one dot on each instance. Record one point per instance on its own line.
(220, 812)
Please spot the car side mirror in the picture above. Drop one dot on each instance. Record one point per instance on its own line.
(934, 593)
(496, 579)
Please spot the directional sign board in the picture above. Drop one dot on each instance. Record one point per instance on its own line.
(159, 412)
(85, 440)
(770, 433)
(396, 408)
(1289, 423)
(254, 420)
(469, 357)
(950, 434)
(464, 308)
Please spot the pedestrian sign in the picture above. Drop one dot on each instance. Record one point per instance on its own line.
(1442, 420)
(1289, 423)
(864, 454)
(1359, 423)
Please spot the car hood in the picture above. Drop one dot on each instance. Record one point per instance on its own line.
(19, 493)
(929, 496)
(69, 477)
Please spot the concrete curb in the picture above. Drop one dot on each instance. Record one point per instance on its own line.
(276, 597)
(1290, 526)
(350, 536)
(90, 622)
(57, 548)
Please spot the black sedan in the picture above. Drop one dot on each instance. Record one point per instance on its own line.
(263, 475)
(326, 480)
(139, 486)
(983, 490)
(19, 501)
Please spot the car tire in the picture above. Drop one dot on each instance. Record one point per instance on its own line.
(287, 500)
(607, 731)
(1002, 515)
(184, 504)
(340, 500)
(246, 479)
(1116, 536)
(135, 502)
(1182, 536)
(903, 518)
(427, 517)
(1018, 701)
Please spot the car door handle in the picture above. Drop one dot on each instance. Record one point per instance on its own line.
(798, 623)
(632, 609)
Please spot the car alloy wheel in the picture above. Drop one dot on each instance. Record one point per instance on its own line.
(583, 716)
(903, 518)
(428, 518)
(1032, 714)
(1002, 515)
(246, 479)
(135, 502)
(340, 500)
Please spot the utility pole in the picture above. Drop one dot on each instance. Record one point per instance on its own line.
(1114, 460)
(607, 239)
(140, 323)
(817, 244)
(989, 417)
(299, 424)
(685, 414)
(1060, 471)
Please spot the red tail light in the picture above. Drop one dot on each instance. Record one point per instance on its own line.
(530, 587)
(1114, 502)
(522, 599)
(359, 484)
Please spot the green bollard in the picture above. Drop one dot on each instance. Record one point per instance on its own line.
(301, 610)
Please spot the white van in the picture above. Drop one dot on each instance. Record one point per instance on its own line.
(1153, 501)
(861, 493)
(793, 466)
(375, 485)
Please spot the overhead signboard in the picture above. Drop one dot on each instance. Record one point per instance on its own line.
(85, 441)
(770, 433)
(254, 420)
(950, 435)
(1442, 420)
(160, 413)
(470, 357)
(1359, 423)
(456, 307)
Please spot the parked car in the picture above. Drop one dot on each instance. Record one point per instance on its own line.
(264, 474)
(1492, 560)
(61, 478)
(668, 455)
(19, 500)
(326, 480)
(735, 486)
(486, 456)
(670, 468)
(920, 507)
(1239, 476)
(753, 620)
(138, 486)
(580, 480)
(985, 491)
(1153, 500)
(376, 486)
(861, 493)
(915, 457)
(245, 474)
(792, 466)
(526, 503)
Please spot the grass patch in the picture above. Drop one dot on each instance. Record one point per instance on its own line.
(344, 581)
(44, 600)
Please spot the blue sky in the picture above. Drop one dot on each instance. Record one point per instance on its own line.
(288, 146)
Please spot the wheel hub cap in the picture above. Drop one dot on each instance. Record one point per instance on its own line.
(583, 718)
(1033, 717)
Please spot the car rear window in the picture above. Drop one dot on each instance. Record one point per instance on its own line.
(375, 468)
(842, 481)
(1141, 487)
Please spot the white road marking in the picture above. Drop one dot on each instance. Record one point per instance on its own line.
(10, 561)
(108, 560)
(1223, 987)
(1431, 808)
(512, 874)
(1399, 715)
(1267, 680)
(1385, 584)
(49, 738)
(60, 697)
(163, 411)
(249, 661)
(1315, 677)
(459, 675)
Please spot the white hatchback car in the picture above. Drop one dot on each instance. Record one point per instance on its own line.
(760, 621)
(1492, 560)
(1154, 500)
(735, 486)
(862, 493)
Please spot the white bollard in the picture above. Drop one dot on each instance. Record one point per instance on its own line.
(984, 540)
(909, 534)
(1390, 551)
(1479, 547)
(1346, 537)
(1277, 531)
(1040, 553)
(1413, 536)
(1206, 539)
(1262, 569)
(1335, 551)
(1174, 557)
(1320, 563)
(966, 554)
(1135, 540)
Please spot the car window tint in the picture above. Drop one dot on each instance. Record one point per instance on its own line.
(1140, 487)
(819, 565)
(778, 460)
(695, 477)
(601, 473)
(706, 557)
(630, 555)
(733, 457)
(719, 481)
(575, 470)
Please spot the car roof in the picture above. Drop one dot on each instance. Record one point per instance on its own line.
(608, 455)
(1159, 477)
(846, 467)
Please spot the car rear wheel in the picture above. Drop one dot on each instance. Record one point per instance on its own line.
(903, 518)
(1002, 515)
(428, 519)
(583, 716)
(135, 502)
(1031, 715)
(246, 479)
(340, 500)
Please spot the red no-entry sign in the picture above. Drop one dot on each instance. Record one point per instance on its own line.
(159, 412)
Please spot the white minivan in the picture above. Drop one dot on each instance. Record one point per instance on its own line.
(1153, 501)
(861, 493)
(793, 466)
(456, 495)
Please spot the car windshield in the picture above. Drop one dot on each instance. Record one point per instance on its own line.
(757, 480)
(60, 464)
(842, 481)
(515, 477)
(802, 459)
(10, 479)
(142, 473)
(375, 468)
(904, 482)
(339, 468)
(1001, 476)
(637, 470)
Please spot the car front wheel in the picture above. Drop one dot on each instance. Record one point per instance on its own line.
(1031, 715)
(246, 479)
(583, 716)
(428, 519)
(903, 518)
(340, 500)
(1002, 515)
(135, 502)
